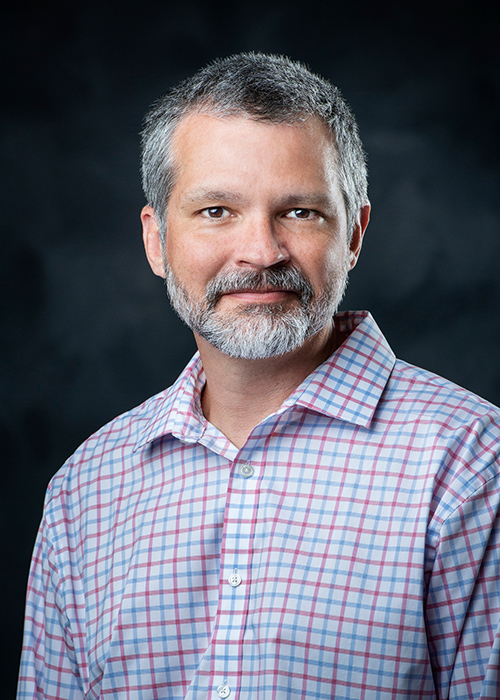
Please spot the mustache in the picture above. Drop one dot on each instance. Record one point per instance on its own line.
(289, 279)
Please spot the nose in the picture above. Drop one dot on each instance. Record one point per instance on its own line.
(260, 243)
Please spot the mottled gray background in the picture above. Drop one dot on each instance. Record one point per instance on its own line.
(87, 329)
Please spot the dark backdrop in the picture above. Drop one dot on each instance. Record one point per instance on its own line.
(87, 329)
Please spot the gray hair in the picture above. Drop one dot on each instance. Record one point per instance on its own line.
(262, 87)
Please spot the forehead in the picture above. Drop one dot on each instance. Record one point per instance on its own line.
(209, 145)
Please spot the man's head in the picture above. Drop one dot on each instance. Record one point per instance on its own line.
(264, 88)
(254, 217)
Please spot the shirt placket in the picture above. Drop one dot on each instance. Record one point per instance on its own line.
(235, 579)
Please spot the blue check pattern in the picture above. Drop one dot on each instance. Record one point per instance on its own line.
(349, 550)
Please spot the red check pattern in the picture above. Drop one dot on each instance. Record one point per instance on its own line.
(349, 550)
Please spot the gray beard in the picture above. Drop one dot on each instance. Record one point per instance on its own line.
(257, 331)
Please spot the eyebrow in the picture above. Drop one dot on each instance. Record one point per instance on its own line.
(204, 195)
(305, 199)
(299, 199)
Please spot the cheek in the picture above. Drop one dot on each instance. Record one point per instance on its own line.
(195, 256)
(193, 265)
(325, 266)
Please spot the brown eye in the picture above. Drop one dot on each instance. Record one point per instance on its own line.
(300, 213)
(215, 212)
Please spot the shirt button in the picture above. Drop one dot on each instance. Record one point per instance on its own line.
(223, 691)
(247, 470)
(234, 580)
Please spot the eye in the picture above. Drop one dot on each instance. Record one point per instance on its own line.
(215, 212)
(301, 213)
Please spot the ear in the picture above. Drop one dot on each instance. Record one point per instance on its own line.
(152, 241)
(362, 219)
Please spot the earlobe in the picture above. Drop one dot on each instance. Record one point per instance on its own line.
(152, 241)
(359, 229)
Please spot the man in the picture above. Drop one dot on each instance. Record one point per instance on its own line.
(301, 515)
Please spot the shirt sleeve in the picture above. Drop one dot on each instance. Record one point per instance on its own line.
(48, 670)
(463, 601)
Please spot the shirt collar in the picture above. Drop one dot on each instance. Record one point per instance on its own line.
(179, 413)
(348, 386)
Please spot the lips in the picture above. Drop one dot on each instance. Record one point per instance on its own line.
(266, 294)
(260, 290)
(276, 281)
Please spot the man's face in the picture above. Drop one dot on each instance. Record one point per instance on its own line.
(257, 252)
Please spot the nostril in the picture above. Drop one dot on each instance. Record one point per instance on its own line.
(263, 253)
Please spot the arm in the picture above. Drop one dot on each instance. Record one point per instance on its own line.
(463, 601)
(48, 668)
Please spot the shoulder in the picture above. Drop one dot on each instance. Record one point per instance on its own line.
(422, 392)
(116, 454)
(108, 454)
(449, 425)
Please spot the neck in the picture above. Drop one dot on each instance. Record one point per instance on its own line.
(240, 393)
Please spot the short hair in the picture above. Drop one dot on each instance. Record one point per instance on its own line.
(262, 87)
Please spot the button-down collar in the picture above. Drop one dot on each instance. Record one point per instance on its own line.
(347, 386)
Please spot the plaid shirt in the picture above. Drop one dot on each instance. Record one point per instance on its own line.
(350, 549)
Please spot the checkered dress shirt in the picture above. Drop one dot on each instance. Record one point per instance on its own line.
(350, 549)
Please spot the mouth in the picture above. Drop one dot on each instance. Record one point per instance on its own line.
(273, 286)
(257, 296)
